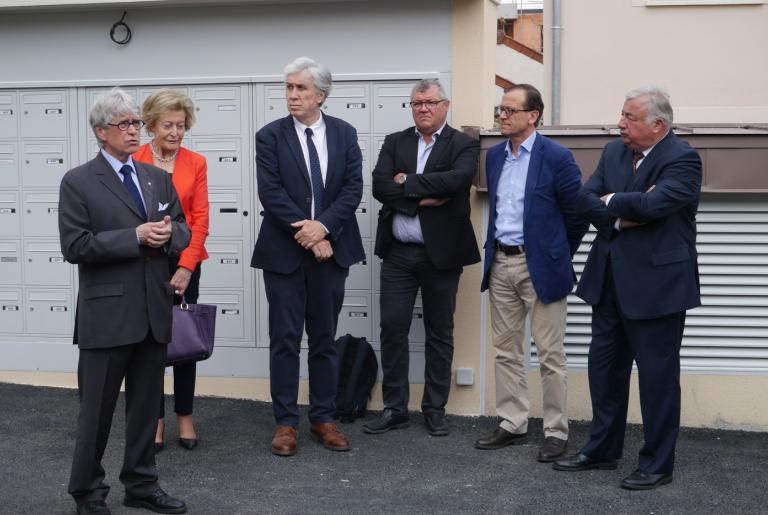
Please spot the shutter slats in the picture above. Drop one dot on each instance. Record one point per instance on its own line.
(729, 332)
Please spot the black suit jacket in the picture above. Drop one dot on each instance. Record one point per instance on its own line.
(452, 164)
(124, 287)
(285, 192)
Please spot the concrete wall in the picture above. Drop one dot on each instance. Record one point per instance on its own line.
(710, 58)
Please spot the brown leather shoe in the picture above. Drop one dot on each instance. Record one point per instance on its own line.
(552, 450)
(330, 436)
(284, 441)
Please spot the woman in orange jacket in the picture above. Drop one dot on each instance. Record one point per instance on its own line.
(168, 114)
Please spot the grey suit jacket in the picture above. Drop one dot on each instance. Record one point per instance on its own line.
(125, 287)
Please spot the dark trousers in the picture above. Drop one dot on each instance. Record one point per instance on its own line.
(405, 270)
(312, 295)
(100, 373)
(654, 345)
(183, 375)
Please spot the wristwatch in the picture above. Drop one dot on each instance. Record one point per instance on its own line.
(401, 180)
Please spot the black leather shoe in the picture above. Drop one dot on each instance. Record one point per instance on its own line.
(553, 449)
(501, 438)
(158, 501)
(581, 462)
(93, 508)
(386, 421)
(188, 443)
(159, 446)
(436, 425)
(639, 480)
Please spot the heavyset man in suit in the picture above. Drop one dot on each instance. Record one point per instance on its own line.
(309, 174)
(640, 278)
(533, 232)
(119, 220)
(425, 237)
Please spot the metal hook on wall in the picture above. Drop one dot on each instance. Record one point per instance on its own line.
(120, 32)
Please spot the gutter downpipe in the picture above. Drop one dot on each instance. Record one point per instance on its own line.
(556, 42)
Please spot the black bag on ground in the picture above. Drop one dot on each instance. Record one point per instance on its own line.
(358, 368)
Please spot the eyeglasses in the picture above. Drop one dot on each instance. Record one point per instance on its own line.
(123, 126)
(429, 104)
(510, 111)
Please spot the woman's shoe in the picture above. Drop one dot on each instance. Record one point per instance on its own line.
(188, 443)
(159, 446)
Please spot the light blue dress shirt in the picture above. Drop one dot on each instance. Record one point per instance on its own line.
(510, 194)
(408, 228)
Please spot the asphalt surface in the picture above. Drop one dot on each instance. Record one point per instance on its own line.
(232, 471)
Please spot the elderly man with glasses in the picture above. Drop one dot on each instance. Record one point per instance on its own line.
(425, 238)
(533, 232)
(119, 220)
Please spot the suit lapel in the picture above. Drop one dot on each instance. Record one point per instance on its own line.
(646, 168)
(147, 190)
(109, 178)
(410, 150)
(626, 176)
(289, 132)
(534, 171)
(332, 142)
(441, 145)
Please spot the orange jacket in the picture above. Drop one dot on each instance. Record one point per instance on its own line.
(190, 178)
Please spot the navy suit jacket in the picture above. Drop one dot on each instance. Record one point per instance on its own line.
(551, 229)
(654, 265)
(285, 192)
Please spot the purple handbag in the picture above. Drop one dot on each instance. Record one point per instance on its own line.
(193, 329)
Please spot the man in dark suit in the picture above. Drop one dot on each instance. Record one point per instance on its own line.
(425, 237)
(119, 220)
(533, 232)
(309, 173)
(640, 278)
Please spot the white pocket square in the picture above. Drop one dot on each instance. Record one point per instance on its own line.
(162, 207)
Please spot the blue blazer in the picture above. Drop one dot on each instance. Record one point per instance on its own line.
(552, 230)
(654, 266)
(285, 193)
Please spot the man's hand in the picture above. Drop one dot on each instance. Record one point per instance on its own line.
(322, 251)
(397, 176)
(310, 233)
(155, 234)
(180, 280)
(432, 202)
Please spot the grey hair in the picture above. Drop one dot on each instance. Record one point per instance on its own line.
(320, 74)
(424, 84)
(110, 104)
(658, 104)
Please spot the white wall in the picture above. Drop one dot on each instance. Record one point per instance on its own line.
(360, 38)
(712, 59)
(518, 68)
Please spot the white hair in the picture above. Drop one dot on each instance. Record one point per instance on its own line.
(658, 105)
(110, 104)
(320, 74)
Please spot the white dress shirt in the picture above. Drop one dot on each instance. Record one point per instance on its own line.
(321, 145)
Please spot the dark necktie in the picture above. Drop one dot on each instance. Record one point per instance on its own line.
(636, 157)
(315, 174)
(133, 191)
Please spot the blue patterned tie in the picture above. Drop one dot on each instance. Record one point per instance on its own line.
(315, 174)
(126, 171)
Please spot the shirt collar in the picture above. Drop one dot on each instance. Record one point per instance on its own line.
(319, 124)
(527, 144)
(115, 163)
(435, 135)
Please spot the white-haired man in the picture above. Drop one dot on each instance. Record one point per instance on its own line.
(640, 278)
(310, 182)
(119, 220)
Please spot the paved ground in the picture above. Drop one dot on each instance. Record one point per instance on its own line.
(404, 471)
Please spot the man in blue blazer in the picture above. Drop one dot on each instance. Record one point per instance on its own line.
(309, 174)
(533, 232)
(640, 278)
